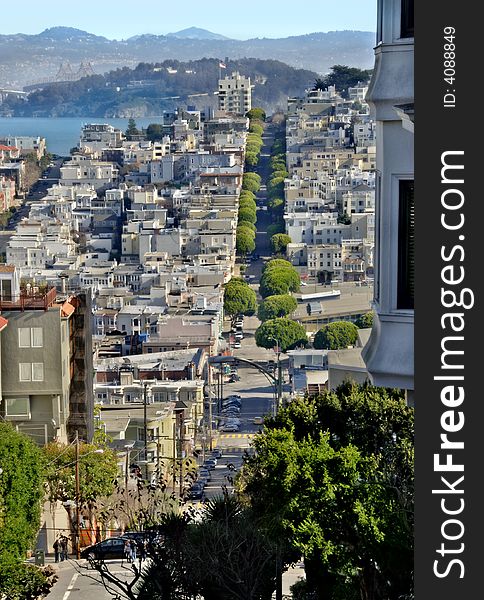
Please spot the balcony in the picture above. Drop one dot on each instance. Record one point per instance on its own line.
(31, 300)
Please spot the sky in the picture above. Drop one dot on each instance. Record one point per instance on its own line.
(119, 19)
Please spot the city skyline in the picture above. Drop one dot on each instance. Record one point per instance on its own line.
(256, 20)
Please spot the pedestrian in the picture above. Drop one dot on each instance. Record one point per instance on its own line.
(63, 548)
(127, 550)
(133, 550)
(56, 549)
(144, 550)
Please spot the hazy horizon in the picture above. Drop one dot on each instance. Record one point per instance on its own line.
(255, 20)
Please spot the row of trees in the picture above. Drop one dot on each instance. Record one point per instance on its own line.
(247, 215)
(254, 139)
(275, 192)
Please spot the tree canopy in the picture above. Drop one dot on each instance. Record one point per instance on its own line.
(239, 298)
(21, 493)
(245, 238)
(279, 280)
(336, 335)
(276, 306)
(279, 242)
(256, 113)
(97, 472)
(288, 334)
(247, 214)
(365, 321)
(341, 467)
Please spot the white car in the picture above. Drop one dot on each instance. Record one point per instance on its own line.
(236, 345)
(303, 283)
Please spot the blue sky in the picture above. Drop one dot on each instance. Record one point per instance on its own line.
(121, 19)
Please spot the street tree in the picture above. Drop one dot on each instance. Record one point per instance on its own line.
(365, 321)
(98, 474)
(276, 306)
(21, 493)
(277, 227)
(245, 194)
(278, 263)
(341, 467)
(280, 280)
(254, 127)
(248, 203)
(279, 242)
(289, 334)
(256, 113)
(239, 298)
(247, 214)
(251, 158)
(336, 335)
(244, 239)
(251, 182)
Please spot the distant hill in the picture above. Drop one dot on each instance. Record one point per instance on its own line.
(195, 33)
(150, 88)
(28, 59)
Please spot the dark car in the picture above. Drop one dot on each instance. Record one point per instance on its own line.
(196, 492)
(216, 454)
(110, 548)
(210, 463)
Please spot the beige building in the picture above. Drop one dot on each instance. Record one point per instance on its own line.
(235, 94)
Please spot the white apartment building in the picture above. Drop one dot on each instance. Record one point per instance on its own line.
(82, 170)
(95, 137)
(389, 353)
(235, 94)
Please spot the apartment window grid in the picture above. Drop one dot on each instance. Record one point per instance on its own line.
(31, 372)
(30, 337)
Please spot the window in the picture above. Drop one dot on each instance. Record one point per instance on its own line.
(30, 337)
(406, 24)
(406, 245)
(17, 407)
(25, 371)
(36, 336)
(24, 337)
(37, 371)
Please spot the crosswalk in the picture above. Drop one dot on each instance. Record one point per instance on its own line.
(236, 436)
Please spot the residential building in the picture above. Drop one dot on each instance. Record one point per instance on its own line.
(389, 354)
(46, 361)
(235, 94)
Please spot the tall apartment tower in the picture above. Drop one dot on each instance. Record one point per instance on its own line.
(45, 360)
(389, 354)
(235, 94)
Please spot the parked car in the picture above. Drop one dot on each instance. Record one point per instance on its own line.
(210, 463)
(230, 428)
(205, 473)
(216, 454)
(196, 491)
(236, 345)
(258, 420)
(234, 377)
(110, 548)
(239, 335)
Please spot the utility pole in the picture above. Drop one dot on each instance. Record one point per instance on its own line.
(145, 427)
(209, 382)
(78, 496)
(174, 453)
